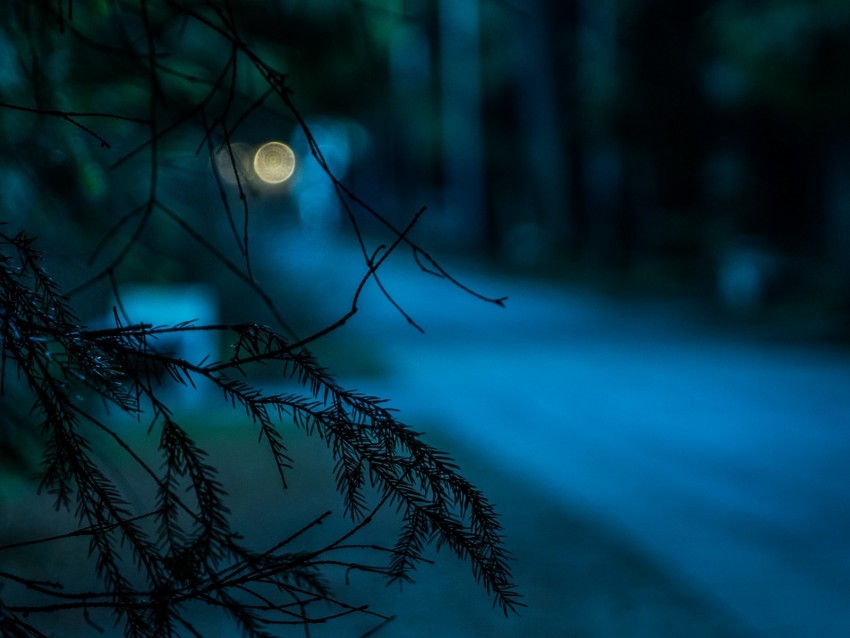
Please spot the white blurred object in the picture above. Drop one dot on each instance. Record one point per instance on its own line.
(339, 142)
(167, 306)
(235, 155)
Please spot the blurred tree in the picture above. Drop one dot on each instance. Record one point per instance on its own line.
(115, 113)
(778, 73)
(662, 126)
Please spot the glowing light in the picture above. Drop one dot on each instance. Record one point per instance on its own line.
(274, 162)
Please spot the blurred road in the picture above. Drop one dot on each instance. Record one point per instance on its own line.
(728, 460)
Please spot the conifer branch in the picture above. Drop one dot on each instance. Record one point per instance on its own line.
(154, 560)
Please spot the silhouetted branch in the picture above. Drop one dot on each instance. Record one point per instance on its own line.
(183, 548)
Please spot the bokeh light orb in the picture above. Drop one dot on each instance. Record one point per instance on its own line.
(274, 162)
(228, 156)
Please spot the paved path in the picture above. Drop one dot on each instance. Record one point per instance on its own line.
(727, 459)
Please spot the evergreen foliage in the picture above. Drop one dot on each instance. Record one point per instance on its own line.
(152, 563)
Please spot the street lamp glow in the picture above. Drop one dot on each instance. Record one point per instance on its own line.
(274, 162)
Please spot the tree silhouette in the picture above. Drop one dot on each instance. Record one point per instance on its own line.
(97, 78)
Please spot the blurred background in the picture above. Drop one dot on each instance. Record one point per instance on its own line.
(660, 188)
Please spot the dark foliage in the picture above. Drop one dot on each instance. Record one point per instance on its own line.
(152, 563)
